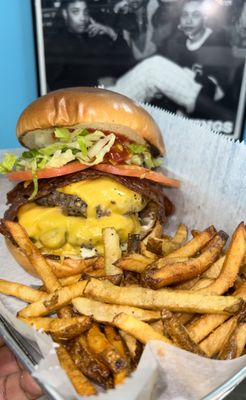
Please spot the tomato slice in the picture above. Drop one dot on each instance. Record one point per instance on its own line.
(138, 172)
(47, 172)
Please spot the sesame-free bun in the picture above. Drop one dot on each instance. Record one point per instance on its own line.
(61, 268)
(90, 108)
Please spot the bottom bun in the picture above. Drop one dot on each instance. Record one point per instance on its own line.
(61, 267)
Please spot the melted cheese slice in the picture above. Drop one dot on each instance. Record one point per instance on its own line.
(59, 234)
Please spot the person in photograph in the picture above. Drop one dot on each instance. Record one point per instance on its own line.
(137, 27)
(165, 21)
(79, 51)
(191, 73)
(239, 32)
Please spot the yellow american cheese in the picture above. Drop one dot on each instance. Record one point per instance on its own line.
(63, 235)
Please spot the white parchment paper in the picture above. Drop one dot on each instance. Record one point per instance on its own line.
(212, 169)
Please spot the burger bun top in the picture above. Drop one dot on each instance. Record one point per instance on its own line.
(90, 108)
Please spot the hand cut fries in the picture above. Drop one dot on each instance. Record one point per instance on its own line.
(102, 328)
(156, 300)
(103, 312)
(61, 329)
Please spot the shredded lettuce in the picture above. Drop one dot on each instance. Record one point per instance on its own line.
(137, 148)
(8, 163)
(62, 133)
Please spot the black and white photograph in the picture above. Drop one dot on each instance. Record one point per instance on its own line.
(186, 56)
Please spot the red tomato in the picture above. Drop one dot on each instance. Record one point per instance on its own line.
(138, 172)
(47, 172)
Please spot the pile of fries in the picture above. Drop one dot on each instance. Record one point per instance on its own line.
(186, 292)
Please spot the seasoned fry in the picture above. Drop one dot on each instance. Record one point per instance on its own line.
(107, 353)
(178, 334)
(67, 267)
(116, 341)
(172, 299)
(112, 251)
(54, 301)
(79, 381)
(103, 312)
(88, 364)
(37, 260)
(134, 262)
(232, 263)
(134, 347)
(61, 328)
(215, 269)
(206, 324)
(140, 330)
(22, 292)
(213, 343)
(194, 245)
(156, 277)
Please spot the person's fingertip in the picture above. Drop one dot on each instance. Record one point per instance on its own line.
(29, 385)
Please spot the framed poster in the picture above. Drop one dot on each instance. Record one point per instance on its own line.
(186, 56)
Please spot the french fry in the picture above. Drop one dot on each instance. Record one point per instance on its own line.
(116, 341)
(70, 280)
(112, 251)
(156, 277)
(178, 334)
(54, 301)
(187, 285)
(181, 234)
(88, 364)
(67, 267)
(157, 299)
(134, 243)
(31, 251)
(134, 347)
(22, 292)
(213, 343)
(139, 329)
(194, 245)
(133, 262)
(206, 324)
(240, 339)
(158, 326)
(61, 329)
(103, 312)
(167, 245)
(79, 381)
(155, 233)
(232, 263)
(107, 353)
(215, 269)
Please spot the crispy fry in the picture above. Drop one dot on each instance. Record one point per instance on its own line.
(178, 334)
(215, 269)
(187, 284)
(156, 277)
(134, 347)
(89, 365)
(37, 260)
(67, 267)
(232, 263)
(79, 381)
(103, 312)
(112, 251)
(117, 342)
(151, 299)
(181, 234)
(61, 328)
(155, 233)
(107, 353)
(202, 283)
(134, 262)
(194, 245)
(140, 330)
(213, 343)
(240, 339)
(22, 292)
(70, 280)
(158, 326)
(54, 301)
(206, 324)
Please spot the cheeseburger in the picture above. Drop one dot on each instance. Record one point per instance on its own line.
(90, 164)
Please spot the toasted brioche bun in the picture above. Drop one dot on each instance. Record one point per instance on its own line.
(90, 108)
(67, 267)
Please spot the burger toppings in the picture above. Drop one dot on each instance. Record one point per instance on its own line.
(69, 204)
(76, 149)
